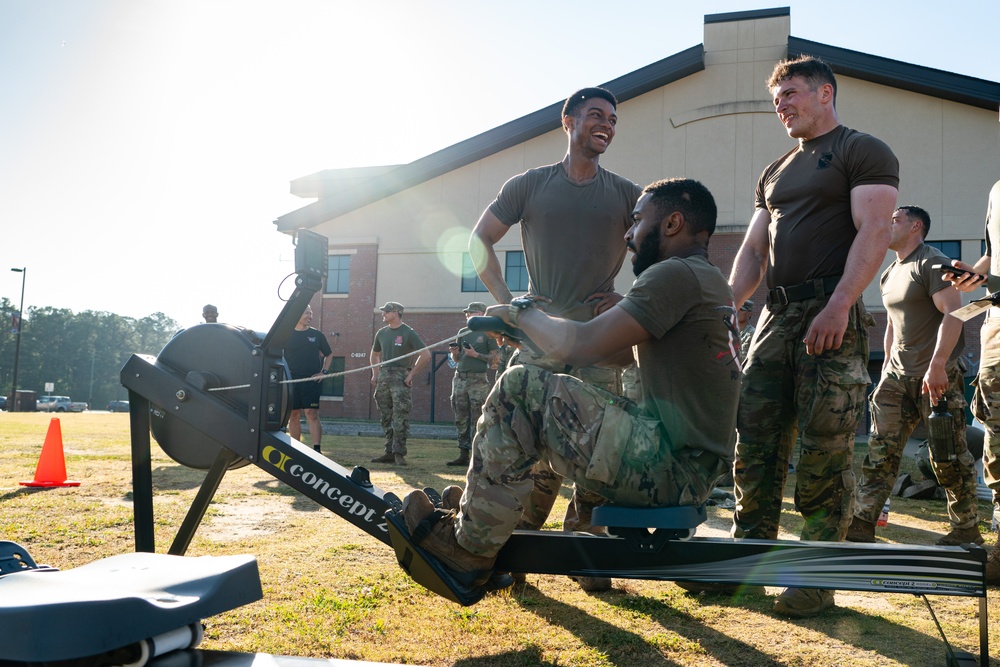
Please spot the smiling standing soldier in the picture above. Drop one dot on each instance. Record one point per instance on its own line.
(818, 236)
(573, 216)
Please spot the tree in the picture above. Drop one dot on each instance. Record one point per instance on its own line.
(81, 354)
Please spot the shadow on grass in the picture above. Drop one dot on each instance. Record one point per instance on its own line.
(527, 657)
(865, 632)
(614, 643)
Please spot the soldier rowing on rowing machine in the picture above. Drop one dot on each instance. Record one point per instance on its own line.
(667, 450)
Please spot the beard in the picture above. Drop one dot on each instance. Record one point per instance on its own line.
(647, 254)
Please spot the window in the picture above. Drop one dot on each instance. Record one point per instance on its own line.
(516, 273)
(334, 386)
(338, 279)
(470, 279)
(951, 248)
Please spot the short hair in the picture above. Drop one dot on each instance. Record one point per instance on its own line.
(810, 68)
(209, 308)
(689, 197)
(575, 101)
(917, 213)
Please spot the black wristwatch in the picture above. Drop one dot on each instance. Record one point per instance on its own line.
(325, 371)
(516, 306)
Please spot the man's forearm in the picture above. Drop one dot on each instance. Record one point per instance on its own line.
(487, 265)
(948, 334)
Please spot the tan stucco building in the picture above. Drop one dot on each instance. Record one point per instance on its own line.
(400, 233)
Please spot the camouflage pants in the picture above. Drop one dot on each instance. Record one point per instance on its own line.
(986, 406)
(631, 387)
(468, 392)
(787, 393)
(393, 399)
(600, 441)
(547, 483)
(897, 408)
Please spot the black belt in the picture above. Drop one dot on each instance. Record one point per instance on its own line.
(814, 289)
(463, 374)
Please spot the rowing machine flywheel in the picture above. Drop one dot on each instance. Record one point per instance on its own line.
(213, 356)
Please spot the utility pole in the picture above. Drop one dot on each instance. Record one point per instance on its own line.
(17, 346)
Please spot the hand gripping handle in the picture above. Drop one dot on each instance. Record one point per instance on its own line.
(496, 325)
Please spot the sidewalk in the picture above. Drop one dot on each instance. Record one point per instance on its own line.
(372, 429)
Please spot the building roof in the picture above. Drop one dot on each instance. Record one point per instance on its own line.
(341, 191)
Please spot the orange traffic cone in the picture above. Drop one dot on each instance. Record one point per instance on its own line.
(51, 469)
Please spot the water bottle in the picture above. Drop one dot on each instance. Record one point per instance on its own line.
(941, 433)
(883, 518)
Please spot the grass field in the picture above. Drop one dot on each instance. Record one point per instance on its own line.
(332, 591)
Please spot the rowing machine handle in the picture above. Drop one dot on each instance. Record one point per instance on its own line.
(496, 325)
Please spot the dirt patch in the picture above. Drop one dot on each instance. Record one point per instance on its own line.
(241, 519)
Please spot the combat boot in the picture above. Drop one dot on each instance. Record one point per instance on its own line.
(462, 460)
(388, 457)
(433, 530)
(860, 531)
(451, 497)
(993, 564)
(727, 590)
(957, 536)
(593, 584)
(803, 602)
(399, 459)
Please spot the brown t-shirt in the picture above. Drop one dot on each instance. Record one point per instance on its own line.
(690, 371)
(908, 287)
(573, 234)
(808, 194)
(481, 343)
(394, 343)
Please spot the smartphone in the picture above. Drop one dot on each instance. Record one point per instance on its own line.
(466, 346)
(948, 268)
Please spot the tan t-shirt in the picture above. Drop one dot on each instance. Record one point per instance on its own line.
(573, 235)
(908, 287)
(690, 371)
(808, 194)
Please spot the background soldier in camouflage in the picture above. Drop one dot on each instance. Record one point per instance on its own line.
(667, 450)
(504, 353)
(394, 382)
(986, 401)
(473, 352)
(922, 365)
(819, 234)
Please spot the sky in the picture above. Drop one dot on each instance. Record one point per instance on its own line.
(147, 146)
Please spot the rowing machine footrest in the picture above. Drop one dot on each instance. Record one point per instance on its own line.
(650, 528)
(427, 572)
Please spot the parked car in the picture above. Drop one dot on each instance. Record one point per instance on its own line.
(118, 406)
(3, 402)
(59, 404)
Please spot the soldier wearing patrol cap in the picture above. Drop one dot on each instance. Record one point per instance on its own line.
(473, 352)
(394, 382)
